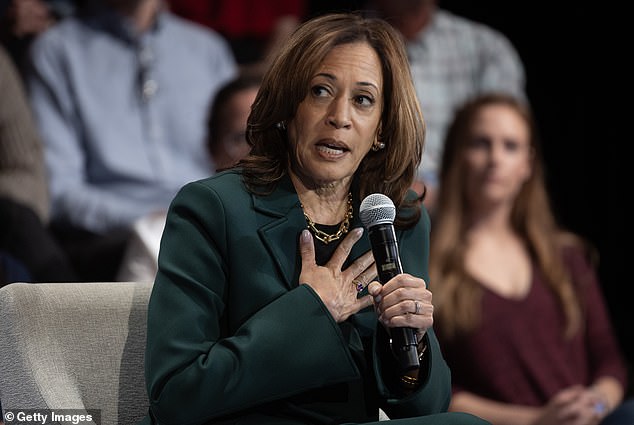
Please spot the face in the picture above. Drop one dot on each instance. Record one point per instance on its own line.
(336, 123)
(232, 144)
(497, 156)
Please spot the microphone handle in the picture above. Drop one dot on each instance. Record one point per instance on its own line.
(388, 265)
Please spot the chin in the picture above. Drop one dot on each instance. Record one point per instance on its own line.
(326, 174)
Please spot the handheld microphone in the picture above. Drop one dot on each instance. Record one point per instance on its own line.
(377, 213)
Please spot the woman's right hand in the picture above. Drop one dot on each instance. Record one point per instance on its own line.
(335, 286)
(572, 406)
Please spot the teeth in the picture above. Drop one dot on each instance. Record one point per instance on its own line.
(329, 149)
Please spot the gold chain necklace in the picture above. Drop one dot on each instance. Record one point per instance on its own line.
(343, 227)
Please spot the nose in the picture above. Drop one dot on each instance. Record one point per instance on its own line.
(496, 151)
(339, 114)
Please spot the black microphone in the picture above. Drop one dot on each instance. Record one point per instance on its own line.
(377, 213)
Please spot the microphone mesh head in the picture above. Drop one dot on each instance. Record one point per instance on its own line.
(375, 209)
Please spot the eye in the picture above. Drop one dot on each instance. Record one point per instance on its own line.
(319, 91)
(511, 145)
(363, 100)
(479, 142)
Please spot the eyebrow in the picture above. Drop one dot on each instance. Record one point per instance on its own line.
(359, 83)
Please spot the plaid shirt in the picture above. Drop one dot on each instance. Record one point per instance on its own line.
(452, 60)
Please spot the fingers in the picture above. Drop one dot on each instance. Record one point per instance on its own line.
(362, 271)
(411, 306)
(405, 287)
(403, 302)
(573, 406)
(307, 249)
(343, 250)
(364, 302)
(395, 317)
(332, 285)
(403, 280)
(374, 288)
(567, 395)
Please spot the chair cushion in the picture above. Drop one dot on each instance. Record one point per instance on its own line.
(74, 346)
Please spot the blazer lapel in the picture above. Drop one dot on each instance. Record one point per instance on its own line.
(280, 235)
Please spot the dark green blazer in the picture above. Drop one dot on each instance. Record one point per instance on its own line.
(233, 338)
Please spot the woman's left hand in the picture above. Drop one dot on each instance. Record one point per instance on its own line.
(404, 301)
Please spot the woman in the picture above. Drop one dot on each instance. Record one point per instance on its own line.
(520, 315)
(255, 316)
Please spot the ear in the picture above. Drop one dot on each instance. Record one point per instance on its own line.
(379, 130)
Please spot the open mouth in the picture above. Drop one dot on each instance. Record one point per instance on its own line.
(332, 148)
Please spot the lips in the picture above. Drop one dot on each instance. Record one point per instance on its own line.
(332, 147)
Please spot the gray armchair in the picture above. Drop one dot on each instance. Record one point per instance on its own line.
(74, 346)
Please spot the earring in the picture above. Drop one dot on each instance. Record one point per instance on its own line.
(377, 146)
(281, 125)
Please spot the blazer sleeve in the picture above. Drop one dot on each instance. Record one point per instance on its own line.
(195, 370)
(434, 393)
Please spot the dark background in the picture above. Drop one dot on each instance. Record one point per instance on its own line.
(575, 86)
(574, 55)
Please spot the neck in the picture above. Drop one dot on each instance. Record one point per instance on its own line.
(325, 204)
(142, 13)
(491, 220)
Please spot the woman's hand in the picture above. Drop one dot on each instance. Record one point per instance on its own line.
(404, 301)
(337, 288)
(573, 406)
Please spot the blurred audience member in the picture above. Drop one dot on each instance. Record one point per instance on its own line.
(22, 20)
(226, 143)
(227, 124)
(519, 311)
(24, 202)
(120, 94)
(452, 60)
(254, 28)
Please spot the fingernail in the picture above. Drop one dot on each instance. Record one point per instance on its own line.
(358, 231)
(305, 235)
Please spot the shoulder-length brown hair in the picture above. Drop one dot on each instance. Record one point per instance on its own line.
(287, 81)
(456, 293)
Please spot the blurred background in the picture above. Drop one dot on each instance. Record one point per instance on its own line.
(574, 81)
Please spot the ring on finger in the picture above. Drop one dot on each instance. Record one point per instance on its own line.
(358, 285)
(599, 409)
(416, 307)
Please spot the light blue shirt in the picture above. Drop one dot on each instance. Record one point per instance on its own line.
(123, 117)
(452, 60)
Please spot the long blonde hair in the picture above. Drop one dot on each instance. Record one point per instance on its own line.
(456, 293)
